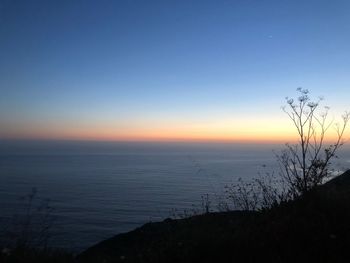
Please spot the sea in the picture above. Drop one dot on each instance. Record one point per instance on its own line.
(99, 189)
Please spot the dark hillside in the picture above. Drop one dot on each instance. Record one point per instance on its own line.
(314, 228)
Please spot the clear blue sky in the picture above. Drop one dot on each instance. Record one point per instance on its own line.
(129, 69)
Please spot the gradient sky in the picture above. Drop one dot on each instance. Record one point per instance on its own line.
(167, 70)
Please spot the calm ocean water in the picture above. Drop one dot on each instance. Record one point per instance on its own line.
(100, 189)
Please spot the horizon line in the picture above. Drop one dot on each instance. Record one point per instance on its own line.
(159, 140)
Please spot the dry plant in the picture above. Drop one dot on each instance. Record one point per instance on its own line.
(31, 228)
(303, 165)
(306, 164)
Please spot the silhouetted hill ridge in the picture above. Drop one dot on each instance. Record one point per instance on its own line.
(314, 228)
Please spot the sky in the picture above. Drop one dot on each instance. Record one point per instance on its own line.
(167, 70)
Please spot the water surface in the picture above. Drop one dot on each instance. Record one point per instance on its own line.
(99, 189)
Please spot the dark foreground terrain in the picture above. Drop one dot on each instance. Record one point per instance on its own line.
(314, 228)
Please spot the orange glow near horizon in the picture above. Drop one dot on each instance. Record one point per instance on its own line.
(249, 131)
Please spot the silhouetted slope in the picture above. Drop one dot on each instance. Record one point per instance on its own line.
(175, 240)
(314, 228)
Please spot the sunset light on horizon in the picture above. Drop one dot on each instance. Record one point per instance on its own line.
(258, 131)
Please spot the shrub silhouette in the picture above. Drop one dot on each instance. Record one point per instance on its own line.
(32, 227)
(303, 165)
(306, 164)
